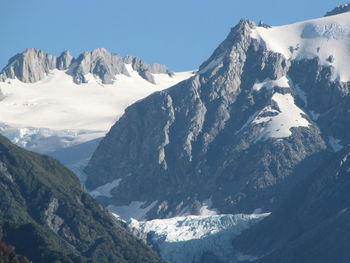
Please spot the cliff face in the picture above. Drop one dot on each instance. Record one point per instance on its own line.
(239, 133)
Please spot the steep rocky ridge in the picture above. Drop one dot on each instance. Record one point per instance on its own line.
(48, 217)
(240, 132)
(34, 65)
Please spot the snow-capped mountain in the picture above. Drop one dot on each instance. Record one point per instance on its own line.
(259, 114)
(242, 135)
(50, 103)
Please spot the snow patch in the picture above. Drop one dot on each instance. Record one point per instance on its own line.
(279, 121)
(105, 190)
(283, 82)
(134, 210)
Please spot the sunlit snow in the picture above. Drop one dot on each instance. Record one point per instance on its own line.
(327, 38)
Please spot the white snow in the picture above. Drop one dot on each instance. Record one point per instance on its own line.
(283, 82)
(56, 113)
(185, 239)
(335, 144)
(56, 102)
(286, 116)
(105, 190)
(136, 210)
(323, 37)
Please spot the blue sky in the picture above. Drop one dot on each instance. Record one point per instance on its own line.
(180, 34)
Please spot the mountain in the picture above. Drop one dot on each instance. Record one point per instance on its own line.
(50, 104)
(48, 217)
(312, 224)
(33, 65)
(263, 111)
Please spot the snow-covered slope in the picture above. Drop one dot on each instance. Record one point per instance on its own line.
(56, 102)
(195, 239)
(327, 38)
(56, 113)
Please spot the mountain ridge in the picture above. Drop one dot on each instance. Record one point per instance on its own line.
(33, 65)
(240, 132)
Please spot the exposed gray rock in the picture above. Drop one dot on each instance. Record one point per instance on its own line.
(202, 138)
(101, 63)
(33, 65)
(145, 70)
(339, 10)
(64, 60)
(30, 66)
(52, 219)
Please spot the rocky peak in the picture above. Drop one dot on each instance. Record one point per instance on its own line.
(101, 63)
(64, 60)
(224, 135)
(237, 36)
(33, 65)
(146, 70)
(30, 66)
(339, 10)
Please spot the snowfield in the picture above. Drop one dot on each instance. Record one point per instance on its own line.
(58, 117)
(56, 113)
(327, 38)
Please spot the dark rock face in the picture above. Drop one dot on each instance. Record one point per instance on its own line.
(33, 65)
(207, 138)
(47, 216)
(339, 10)
(312, 224)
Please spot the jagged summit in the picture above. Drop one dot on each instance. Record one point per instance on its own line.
(33, 65)
(64, 60)
(30, 66)
(339, 10)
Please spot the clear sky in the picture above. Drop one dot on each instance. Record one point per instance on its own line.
(180, 34)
